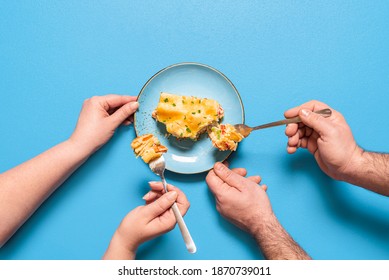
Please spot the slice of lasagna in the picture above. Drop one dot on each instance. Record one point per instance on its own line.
(187, 116)
(224, 137)
(148, 147)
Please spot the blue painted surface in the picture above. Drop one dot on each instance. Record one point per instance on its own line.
(55, 54)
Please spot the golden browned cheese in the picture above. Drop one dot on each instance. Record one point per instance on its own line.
(148, 147)
(224, 137)
(187, 116)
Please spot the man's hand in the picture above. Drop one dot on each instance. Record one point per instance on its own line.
(331, 142)
(329, 139)
(240, 200)
(147, 222)
(99, 117)
(243, 202)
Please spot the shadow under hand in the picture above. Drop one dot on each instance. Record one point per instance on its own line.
(343, 200)
(146, 249)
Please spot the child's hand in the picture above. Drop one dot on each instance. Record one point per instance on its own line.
(147, 222)
(99, 117)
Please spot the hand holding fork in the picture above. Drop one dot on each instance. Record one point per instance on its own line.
(158, 167)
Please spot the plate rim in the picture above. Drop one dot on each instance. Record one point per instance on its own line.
(194, 64)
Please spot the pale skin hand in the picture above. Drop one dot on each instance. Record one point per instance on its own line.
(244, 203)
(99, 118)
(146, 222)
(24, 187)
(331, 142)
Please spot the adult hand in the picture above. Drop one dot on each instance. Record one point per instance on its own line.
(99, 117)
(239, 199)
(329, 139)
(243, 202)
(147, 222)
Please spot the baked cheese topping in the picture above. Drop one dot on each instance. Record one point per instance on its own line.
(148, 147)
(224, 137)
(187, 116)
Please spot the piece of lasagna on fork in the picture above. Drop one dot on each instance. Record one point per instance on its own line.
(148, 147)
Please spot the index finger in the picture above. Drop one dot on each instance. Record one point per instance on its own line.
(182, 200)
(312, 105)
(214, 182)
(114, 100)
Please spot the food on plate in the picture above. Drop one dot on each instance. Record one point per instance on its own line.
(224, 137)
(148, 147)
(187, 116)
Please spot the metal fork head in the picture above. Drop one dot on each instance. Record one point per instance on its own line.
(243, 129)
(158, 166)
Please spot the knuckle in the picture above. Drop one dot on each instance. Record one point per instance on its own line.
(314, 117)
(94, 99)
(125, 111)
(86, 102)
(160, 205)
(228, 174)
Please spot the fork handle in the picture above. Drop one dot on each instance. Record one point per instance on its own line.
(325, 113)
(190, 245)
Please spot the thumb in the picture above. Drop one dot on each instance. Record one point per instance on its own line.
(315, 121)
(124, 112)
(161, 205)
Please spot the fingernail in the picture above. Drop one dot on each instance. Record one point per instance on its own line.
(171, 195)
(146, 196)
(134, 105)
(152, 183)
(305, 112)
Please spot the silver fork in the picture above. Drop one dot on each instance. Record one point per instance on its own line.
(245, 130)
(158, 167)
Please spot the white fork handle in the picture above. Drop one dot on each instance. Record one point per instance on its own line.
(190, 245)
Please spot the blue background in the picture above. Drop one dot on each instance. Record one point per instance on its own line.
(279, 54)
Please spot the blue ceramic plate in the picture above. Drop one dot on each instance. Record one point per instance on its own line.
(192, 79)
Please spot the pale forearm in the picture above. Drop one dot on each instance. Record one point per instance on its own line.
(25, 187)
(369, 170)
(275, 243)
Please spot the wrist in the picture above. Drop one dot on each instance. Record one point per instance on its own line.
(260, 228)
(354, 165)
(275, 243)
(119, 250)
